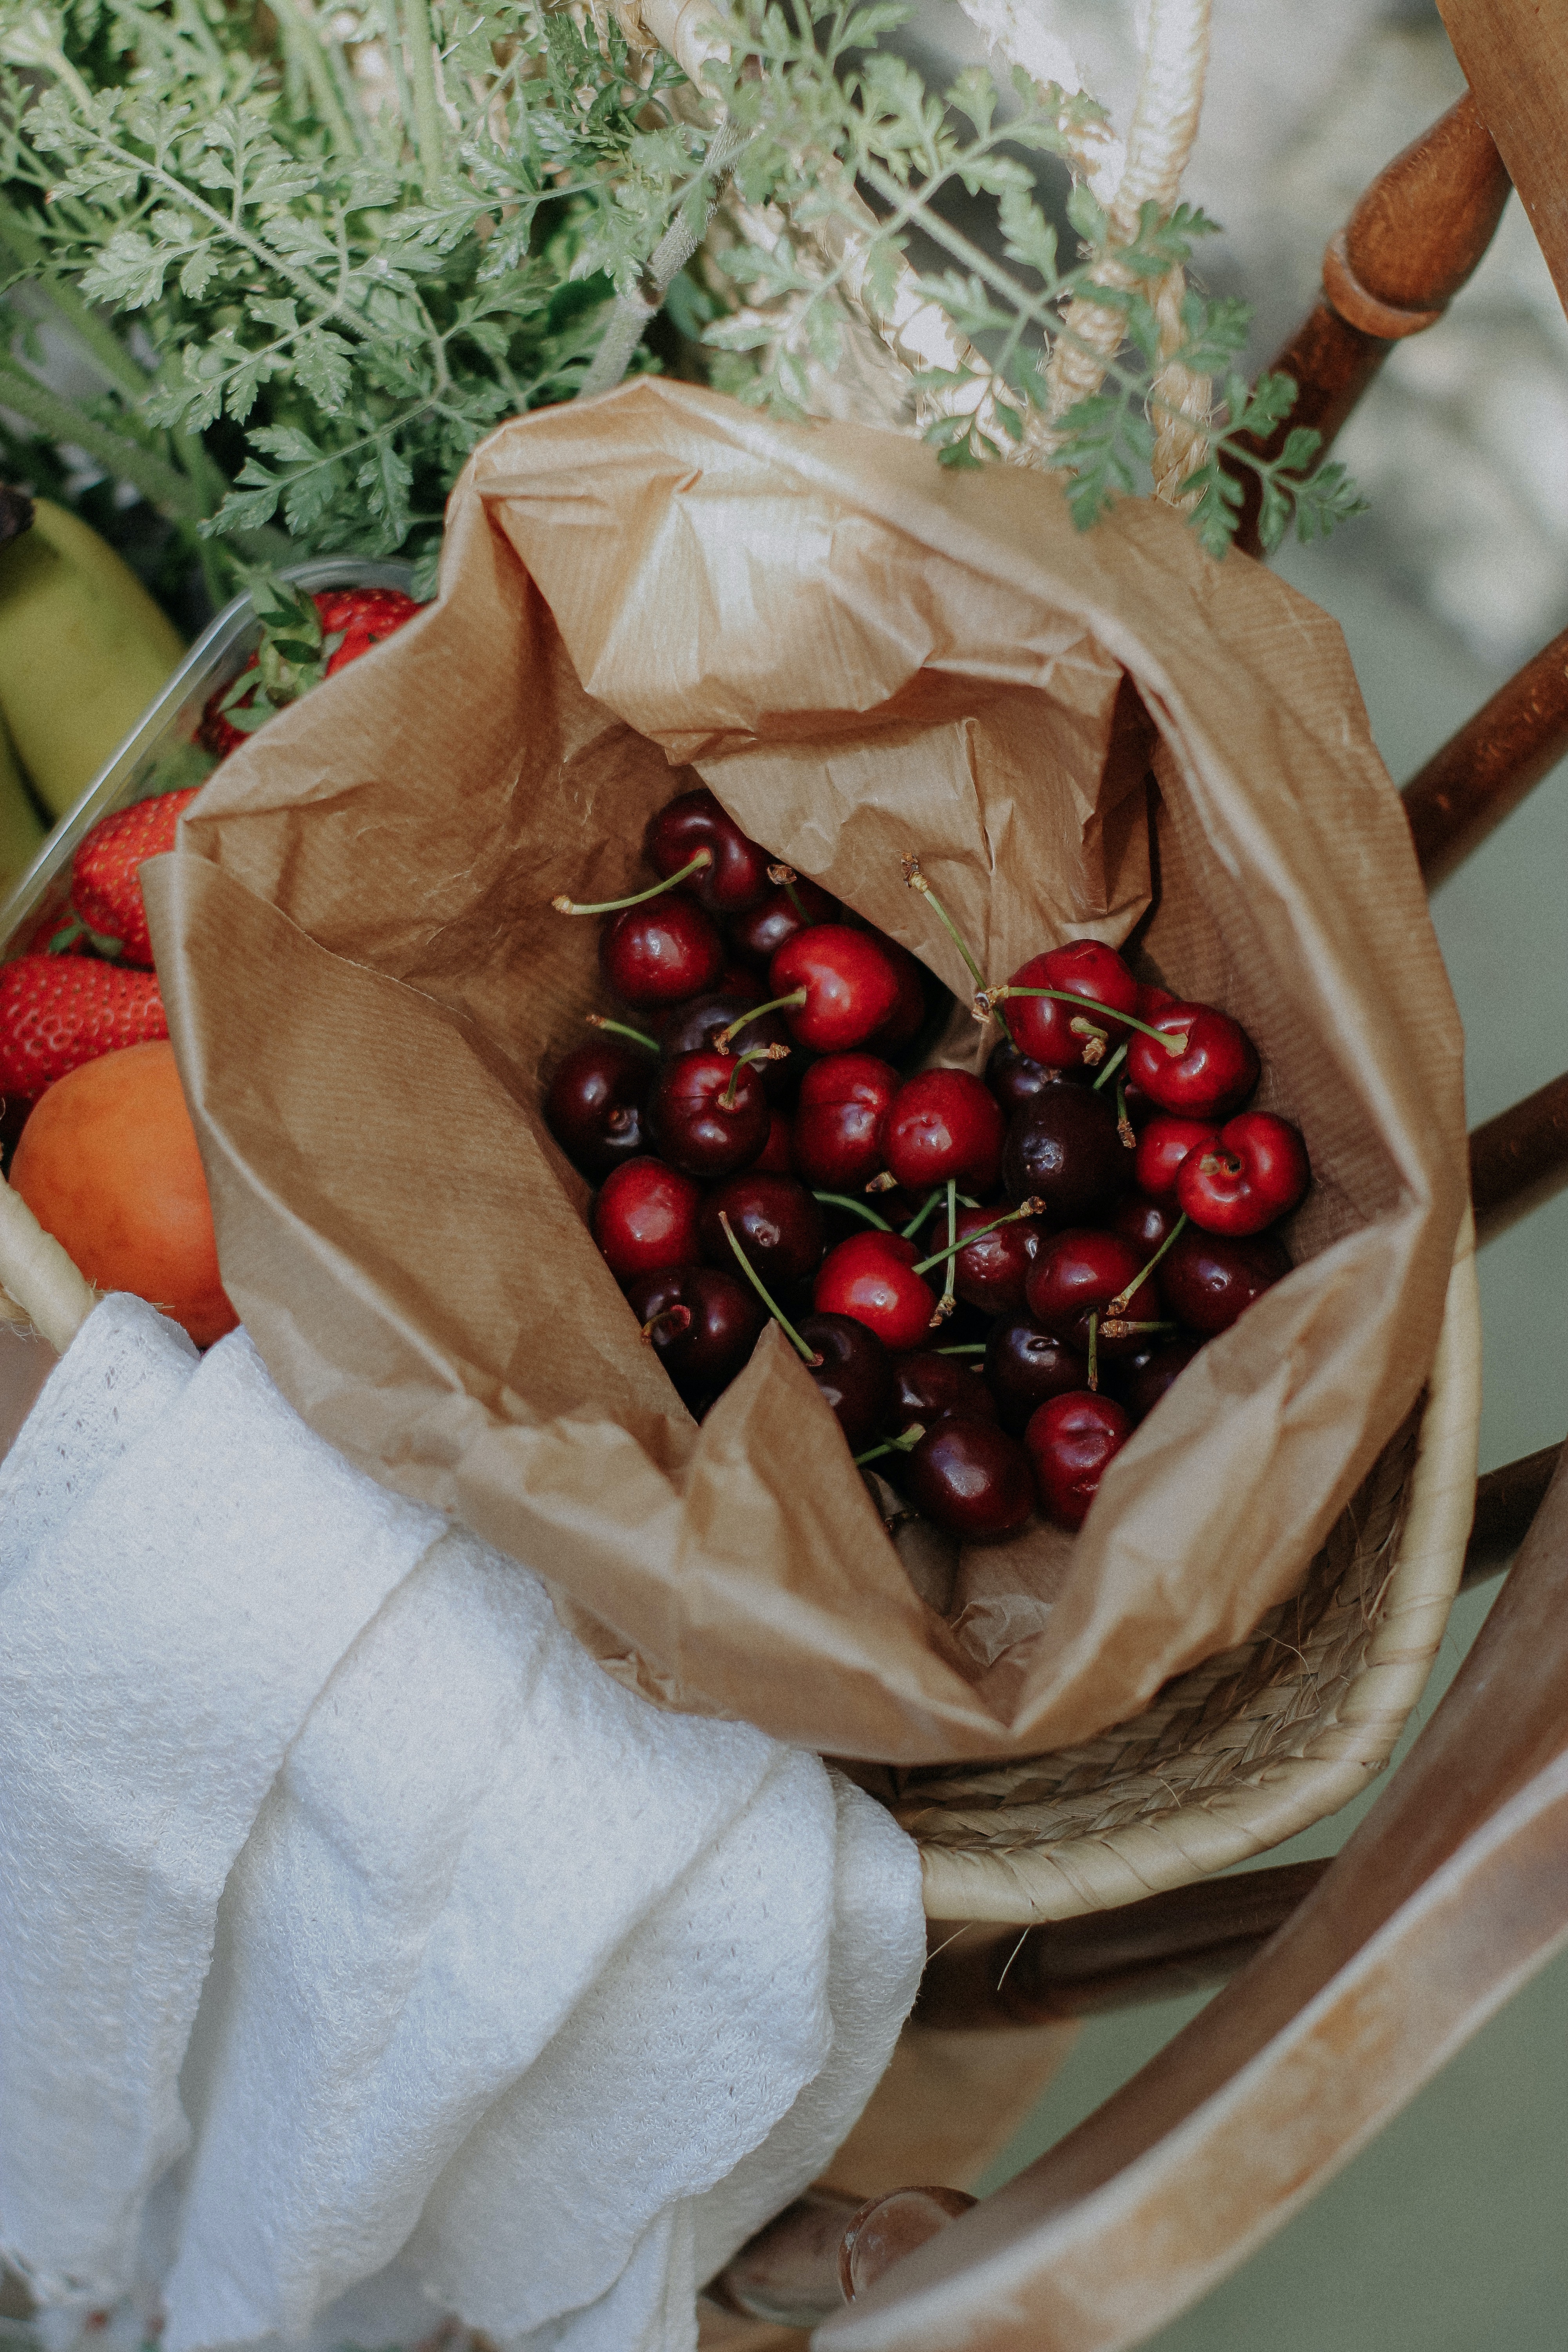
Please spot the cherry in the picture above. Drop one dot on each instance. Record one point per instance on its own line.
(737, 876)
(1147, 1225)
(1016, 1080)
(1211, 1078)
(1064, 1147)
(659, 953)
(775, 1221)
(1162, 1147)
(779, 914)
(936, 1388)
(1208, 1280)
(1070, 1443)
(594, 1106)
(871, 1277)
(846, 986)
(1024, 1365)
(971, 1479)
(692, 1027)
(707, 1114)
(1142, 1383)
(854, 1377)
(990, 1272)
(776, 1157)
(1255, 1172)
(644, 1219)
(1153, 1001)
(1079, 1274)
(944, 1125)
(838, 1120)
(907, 1019)
(1064, 1035)
(701, 1322)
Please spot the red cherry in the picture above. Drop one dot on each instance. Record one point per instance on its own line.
(738, 875)
(691, 1028)
(775, 1221)
(1014, 1080)
(853, 1377)
(1064, 1148)
(1079, 1274)
(1153, 1001)
(644, 1219)
(942, 1124)
(940, 1388)
(776, 1157)
(1211, 1078)
(701, 1322)
(1162, 1147)
(707, 1114)
(838, 1120)
(757, 936)
(1254, 1174)
(594, 1106)
(1147, 1225)
(1070, 1443)
(1208, 1280)
(971, 1479)
(1024, 1365)
(1142, 1383)
(905, 1021)
(990, 1272)
(870, 1276)
(1043, 1027)
(659, 953)
(850, 986)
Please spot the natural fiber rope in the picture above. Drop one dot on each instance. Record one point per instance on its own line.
(38, 1274)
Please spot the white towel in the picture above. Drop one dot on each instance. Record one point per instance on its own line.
(522, 1988)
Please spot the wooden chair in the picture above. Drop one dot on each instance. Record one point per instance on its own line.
(1347, 1984)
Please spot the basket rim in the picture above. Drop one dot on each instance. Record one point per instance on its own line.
(1192, 1840)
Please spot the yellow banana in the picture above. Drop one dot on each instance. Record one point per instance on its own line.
(20, 831)
(83, 650)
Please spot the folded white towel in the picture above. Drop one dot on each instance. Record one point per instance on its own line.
(543, 1996)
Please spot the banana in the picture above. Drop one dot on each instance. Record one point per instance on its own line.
(20, 831)
(83, 650)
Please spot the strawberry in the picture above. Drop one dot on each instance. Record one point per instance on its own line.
(106, 889)
(57, 1011)
(306, 638)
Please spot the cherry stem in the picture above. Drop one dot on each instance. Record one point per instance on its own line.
(565, 906)
(916, 881)
(1123, 1124)
(786, 877)
(1117, 1058)
(843, 1201)
(948, 1301)
(1030, 1208)
(966, 1348)
(777, 1003)
(905, 1443)
(1175, 1046)
(619, 1029)
(758, 1053)
(1117, 1327)
(806, 1355)
(1094, 1353)
(678, 1315)
(921, 1214)
(1120, 1303)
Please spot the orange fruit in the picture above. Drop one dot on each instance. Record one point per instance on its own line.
(108, 1163)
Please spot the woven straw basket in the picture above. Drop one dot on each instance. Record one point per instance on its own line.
(1229, 1758)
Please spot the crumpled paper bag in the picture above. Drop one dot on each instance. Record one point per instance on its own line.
(863, 655)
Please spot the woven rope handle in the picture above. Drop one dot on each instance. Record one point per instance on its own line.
(39, 1276)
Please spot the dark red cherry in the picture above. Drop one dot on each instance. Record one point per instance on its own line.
(707, 1114)
(775, 1221)
(593, 1105)
(1213, 1074)
(1014, 1080)
(691, 1029)
(644, 1219)
(1142, 1383)
(738, 875)
(850, 986)
(935, 1388)
(944, 1125)
(1065, 1035)
(1079, 1272)
(990, 1272)
(838, 1118)
(1162, 1146)
(657, 953)
(871, 1277)
(1070, 1443)
(855, 1377)
(1147, 1225)
(1064, 1148)
(1024, 1365)
(1208, 1280)
(701, 1322)
(971, 1479)
(757, 936)
(1255, 1172)
(776, 1157)
(907, 1019)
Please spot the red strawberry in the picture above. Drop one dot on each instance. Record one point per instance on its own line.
(106, 890)
(57, 1011)
(56, 933)
(361, 616)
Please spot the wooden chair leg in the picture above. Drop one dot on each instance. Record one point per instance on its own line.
(1518, 1160)
(1481, 774)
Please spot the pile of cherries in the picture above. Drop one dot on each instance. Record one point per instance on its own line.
(991, 1281)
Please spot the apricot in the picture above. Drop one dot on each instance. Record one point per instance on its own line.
(108, 1163)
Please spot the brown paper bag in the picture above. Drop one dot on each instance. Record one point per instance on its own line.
(863, 655)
